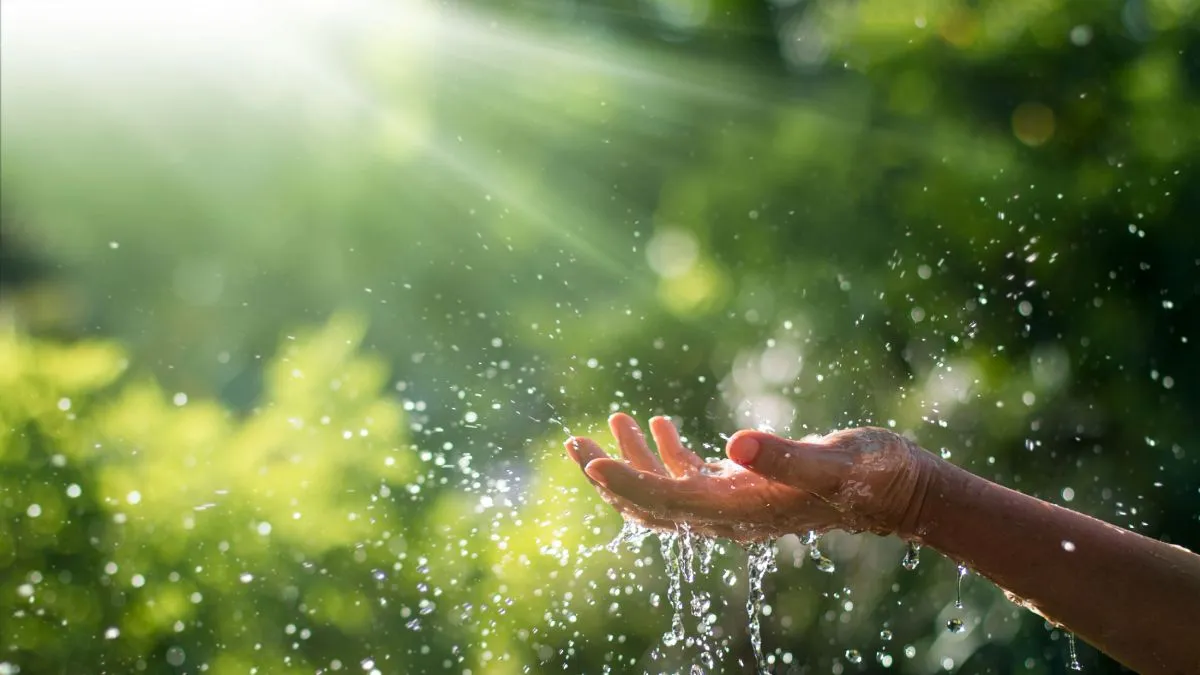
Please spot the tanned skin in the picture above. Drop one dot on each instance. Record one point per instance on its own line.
(1132, 597)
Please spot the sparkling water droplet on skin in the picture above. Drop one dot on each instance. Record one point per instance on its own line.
(674, 589)
(912, 556)
(1073, 653)
(760, 561)
(956, 625)
(853, 656)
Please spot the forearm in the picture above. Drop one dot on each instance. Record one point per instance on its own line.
(1134, 598)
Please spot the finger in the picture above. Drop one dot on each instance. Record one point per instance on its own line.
(815, 467)
(633, 444)
(679, 460)
(583, 450)
(649, 491)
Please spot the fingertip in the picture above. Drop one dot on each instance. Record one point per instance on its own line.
(595, 470)
(660, 423)
(743, 448)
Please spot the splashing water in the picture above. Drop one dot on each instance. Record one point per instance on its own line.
(912, 556)
(761, 560)
(1073, 653)
(632, 534)
(687, 553)
(674, 588)
(701, 610)
(706, 546)
(812, 540)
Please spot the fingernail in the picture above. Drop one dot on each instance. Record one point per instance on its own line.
(743, 450)
(595, 475)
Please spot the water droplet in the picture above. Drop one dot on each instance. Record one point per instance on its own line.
(910, 651)
(956, 625)
(885, 635)
(175, 656)
(962, 572)
(1073, 653)
(853, 656)
(912, 556)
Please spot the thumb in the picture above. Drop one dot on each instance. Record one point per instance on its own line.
(814, 467)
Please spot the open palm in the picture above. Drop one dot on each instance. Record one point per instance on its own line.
(676, 487)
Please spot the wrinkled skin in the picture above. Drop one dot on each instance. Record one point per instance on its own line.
(856, 479)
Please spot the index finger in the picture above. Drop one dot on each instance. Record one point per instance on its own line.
(633, 444)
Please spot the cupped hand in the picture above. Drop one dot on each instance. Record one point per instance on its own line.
(858, 479)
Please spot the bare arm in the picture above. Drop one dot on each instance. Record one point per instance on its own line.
(1132, 597)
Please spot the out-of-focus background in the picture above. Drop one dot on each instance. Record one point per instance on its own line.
(300, 299)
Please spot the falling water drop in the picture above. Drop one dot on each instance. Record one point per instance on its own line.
(1073, 653)
(956, 625)
(761, 560)
(674, 589)
(853, 656)
(912, 556)
(962, 572)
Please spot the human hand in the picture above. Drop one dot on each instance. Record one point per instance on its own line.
(857, 479)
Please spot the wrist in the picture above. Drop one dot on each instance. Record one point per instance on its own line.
(926, 472)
